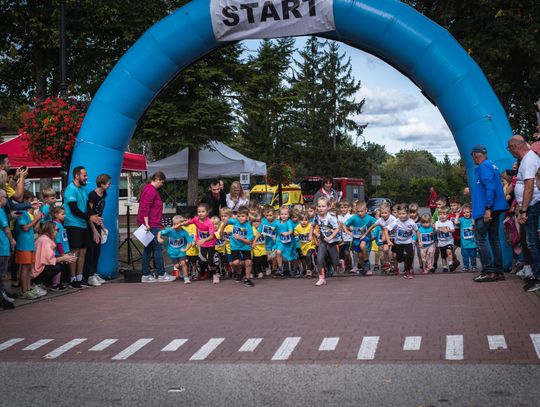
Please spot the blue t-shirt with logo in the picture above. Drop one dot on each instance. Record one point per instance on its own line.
(268, 230)
(243, 229)
(466, 232)
(288, 226)
(25, 239)
(427, 235)
(177, 239)
(5, 247)
(46, 211)
(80, 196)
(61, 238)
(359, 225)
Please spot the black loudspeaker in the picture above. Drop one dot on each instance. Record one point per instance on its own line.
(132, 276)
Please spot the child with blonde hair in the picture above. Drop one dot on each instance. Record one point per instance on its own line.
(327, 233)
(178, 243)
(427, 237)
(304, 233)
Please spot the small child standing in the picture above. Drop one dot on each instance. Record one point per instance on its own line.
(58, 215)
(328, 236)
(221, 255)
(205, 240)
(468, 242)
(445, 239)
(268, 228)
(225, 232)
(49, 201)
(427, 237)
(357, 227)
(304, 233)
(285, 242)
(455, 212)
(7, 243)
(193, 252)
(415, 217)
(347, 240)
(260, 261)
(178, 243)
(405, 228)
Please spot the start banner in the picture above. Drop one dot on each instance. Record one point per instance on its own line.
(235, 20)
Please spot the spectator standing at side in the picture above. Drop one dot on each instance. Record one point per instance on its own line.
(528, 199)
(236, 197)
(432, 200)
(215, 198)
(488, 203)
(327, 191)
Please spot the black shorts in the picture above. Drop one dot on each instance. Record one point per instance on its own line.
(443, 250)
(403, 250)
(240, 255)
(77, 237)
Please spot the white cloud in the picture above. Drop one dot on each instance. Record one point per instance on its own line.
(385, 101)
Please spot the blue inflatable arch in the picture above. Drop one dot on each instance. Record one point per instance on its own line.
(389, 29)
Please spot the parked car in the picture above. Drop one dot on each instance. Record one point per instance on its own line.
(374, 203)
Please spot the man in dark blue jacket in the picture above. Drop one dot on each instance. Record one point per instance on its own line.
(488, 203)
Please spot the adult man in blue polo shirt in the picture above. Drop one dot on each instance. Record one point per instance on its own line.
(488, 203)
(76, 223)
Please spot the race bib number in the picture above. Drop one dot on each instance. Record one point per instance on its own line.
(242, 232)
(64, 235)
(427, 238)
(234, 20)
(261, 239)
(286, 239)
(443, 235)
(268, 230)
(226, 236)
(219, 242)
(176, 243)
(303, 238)
(468, 233)
(203, 235)
(357, 232)
(404, 234)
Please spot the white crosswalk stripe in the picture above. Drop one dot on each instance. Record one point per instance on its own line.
(38, 344)
(104, 344)
(174, 345)
(64, 348)
(250, 345)
(207, 349)
(412, 343)
(328, 344)
(454, 347)
(132, 349)
(535, 338)
(10, 343)
(368, 348)
(286, 348)
(497, 342)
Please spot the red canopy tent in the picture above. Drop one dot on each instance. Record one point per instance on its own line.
(17, 152)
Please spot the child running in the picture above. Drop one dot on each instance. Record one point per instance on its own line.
(427, 237)
(205, 239)
(268, 228)
(285, 243)
(178, 243)
(357, 226)
(327, 233)
(405, 228)
(347, 239)
(258, 248)
(445, 239)
(304, 232)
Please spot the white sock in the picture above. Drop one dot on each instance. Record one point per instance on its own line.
(79, 277)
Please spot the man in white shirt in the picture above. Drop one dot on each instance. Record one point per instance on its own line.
(528, 198)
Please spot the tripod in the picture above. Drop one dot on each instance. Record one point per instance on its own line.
(129, 242)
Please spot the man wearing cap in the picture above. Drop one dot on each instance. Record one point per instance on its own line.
(528, 198)
(488, 202)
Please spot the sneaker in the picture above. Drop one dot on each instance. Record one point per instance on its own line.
(445, 270)
(453, 267)
(39, 290)
(85, 284)
(260, 275)
(320, 282)
(58, 287)
(354, 270)
(93, 281)
(268, 272)
(368, 272)
(309, 273)
(30, 295)
(6, 297)
(165, 278)
(148, 279)
(406, 274)
(215, 279)
(6, 304)
(525, 272)
(98, 278)
(517, 267)
(376, 267)
(410, 276)
(465, 270)
(248, 283)
(534, 287)
(187, 280)
(529, 283)
(76, 285)
(297, 274)
(238, 278)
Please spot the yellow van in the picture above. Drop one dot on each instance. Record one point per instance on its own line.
(267, 195)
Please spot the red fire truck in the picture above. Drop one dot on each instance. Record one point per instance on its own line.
(350, 188)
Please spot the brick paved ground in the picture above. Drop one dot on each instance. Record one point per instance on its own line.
(389, 308)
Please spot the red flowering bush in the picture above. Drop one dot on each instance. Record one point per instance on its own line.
(283, 172)
(50, 129)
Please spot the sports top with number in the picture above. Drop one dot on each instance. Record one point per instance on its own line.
(444, 238)
(205, 229)
(468, 240)
(288, 226)
(46, 211)
(302, 234)
(80, 196)
(192, 231)
(61, 238)
(342, 219)
(427, 235)
(268, 230)
(404, 230)
(327, 225)
(25, 239)
(177, 240)
(377, 235)
(226, 236)
(259, 249)
(359, 225)
(220, 243)
(4, 241)
(243, 229)
(385, 223)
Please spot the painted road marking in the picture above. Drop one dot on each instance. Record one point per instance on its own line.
(104, 344)
(174, 345)
(368, 348)
(64, 348)
(286, 348)
(250, 345)
(412, 343)
(328, 344)
(133, 348)
(207, 349)
(454, 347)
(38, 344)
(535, 338)
(10, 343)
(496, 342)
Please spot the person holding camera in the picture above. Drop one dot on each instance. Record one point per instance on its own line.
(528, 198)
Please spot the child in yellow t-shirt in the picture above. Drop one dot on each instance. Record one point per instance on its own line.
(258, 252)
(303, 232)
(193, 252)
(225, 235)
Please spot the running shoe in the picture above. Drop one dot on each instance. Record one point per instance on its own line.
(320, 282)
(166, 278)
(248, 283)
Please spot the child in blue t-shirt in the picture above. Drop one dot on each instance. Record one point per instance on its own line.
(285, 242)
(58, 215)
(241, 240)
(6, 244)
(357, 226)
(468, 242)
(49, 201)
(267, 228)
(179, 241)
(427, 251)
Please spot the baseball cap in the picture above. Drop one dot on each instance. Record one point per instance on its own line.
(479, 148)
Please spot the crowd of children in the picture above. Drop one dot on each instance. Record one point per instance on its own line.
(321, 240)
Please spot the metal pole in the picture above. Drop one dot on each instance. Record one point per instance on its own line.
(63, 69)
(278, 159)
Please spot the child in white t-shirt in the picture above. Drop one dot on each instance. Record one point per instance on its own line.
(405, 228)
(346, 244)
(445, 239)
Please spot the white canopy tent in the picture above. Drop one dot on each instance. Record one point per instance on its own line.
(215, 160)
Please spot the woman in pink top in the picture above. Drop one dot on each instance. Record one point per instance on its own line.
(150, 215)
(46, 268)
(206, 241)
